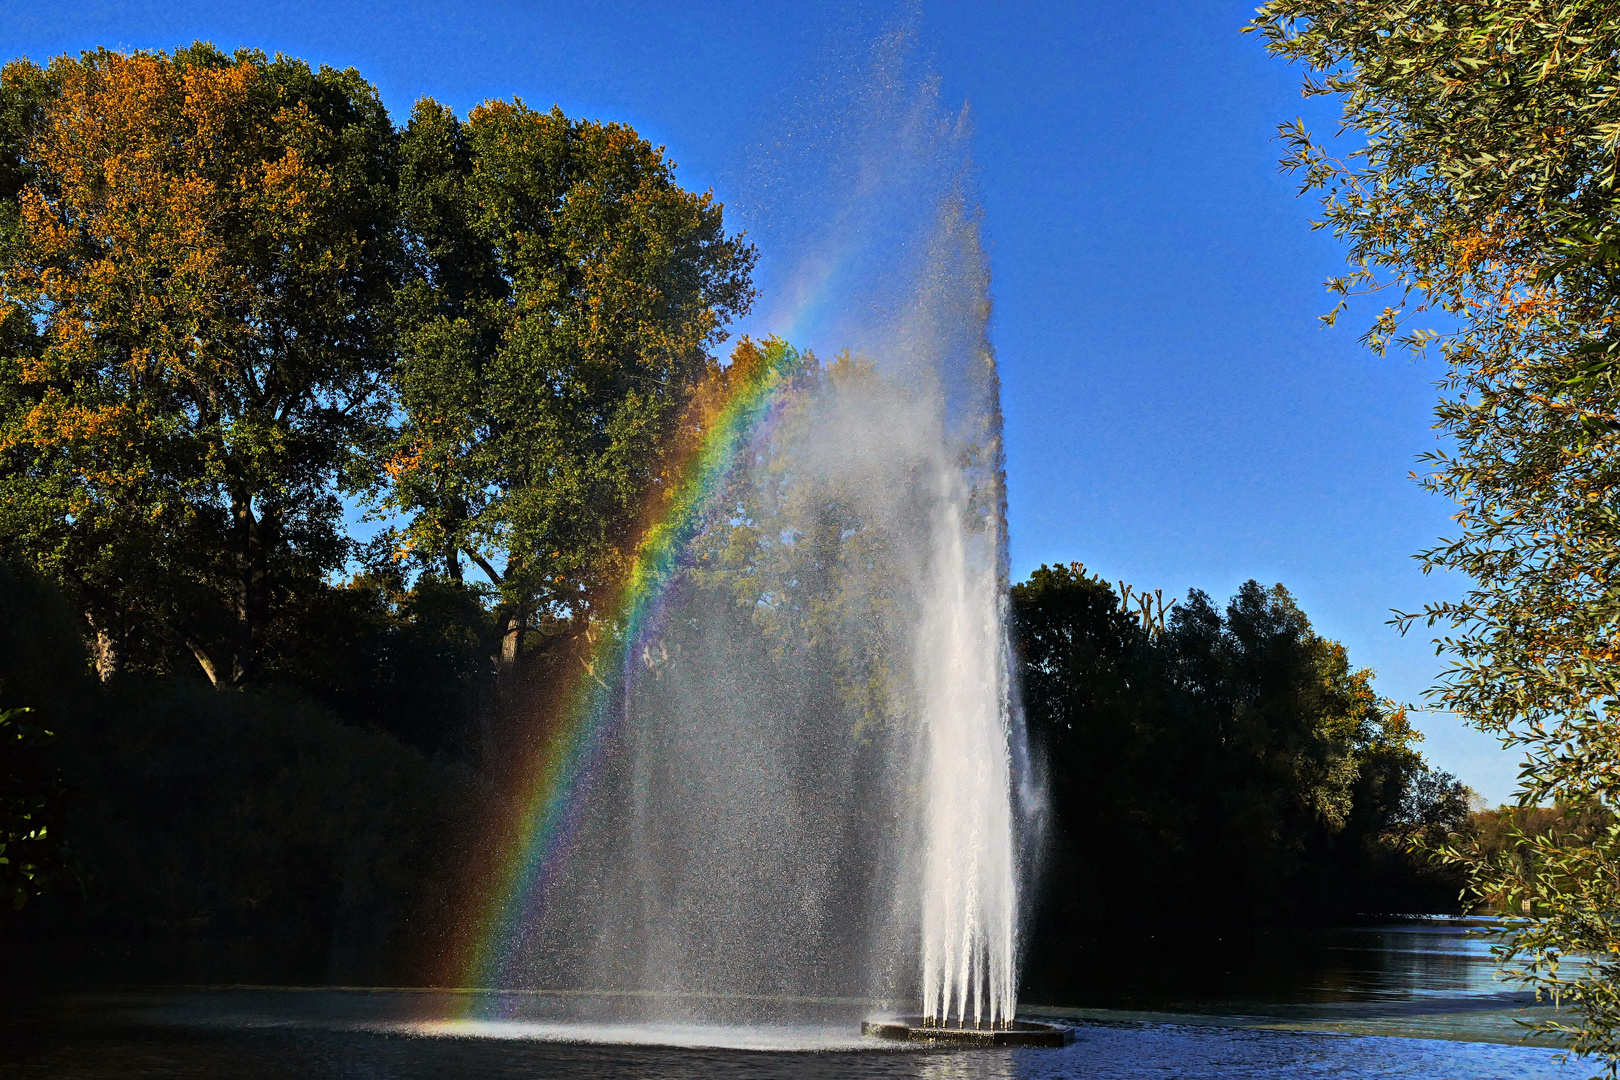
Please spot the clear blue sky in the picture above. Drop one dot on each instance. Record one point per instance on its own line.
(1175, 416)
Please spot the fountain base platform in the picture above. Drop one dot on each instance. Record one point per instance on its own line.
(1017, 1033)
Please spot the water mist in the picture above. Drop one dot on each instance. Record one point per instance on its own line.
(814, 786)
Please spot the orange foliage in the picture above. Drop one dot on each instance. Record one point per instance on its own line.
(155, 175)
(191, 243)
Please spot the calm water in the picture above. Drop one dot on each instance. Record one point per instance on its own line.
(1405, 961)
(1404, 1000)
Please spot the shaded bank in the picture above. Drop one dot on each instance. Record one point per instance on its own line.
(206, 821)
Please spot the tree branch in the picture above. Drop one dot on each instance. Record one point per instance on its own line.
(483, 565)
(205, 661)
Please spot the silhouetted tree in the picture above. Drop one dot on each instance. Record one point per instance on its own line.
(1217, 766)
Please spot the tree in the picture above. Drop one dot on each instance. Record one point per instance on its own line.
(565, 293)
(1232, 763)
(1485, 189)
(198, 256)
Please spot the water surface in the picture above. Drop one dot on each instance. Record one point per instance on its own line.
(1403, 999)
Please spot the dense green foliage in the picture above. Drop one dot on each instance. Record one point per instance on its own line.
(564, 295)
(42, 676)
(409, 658)
(199, 254)
(1486, 188)
(233, 295)
(1221, 768)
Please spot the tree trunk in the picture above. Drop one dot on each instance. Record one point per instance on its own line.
(496, 726)
(109, 648)
(204, 661)
(511, 642)
(256, 536)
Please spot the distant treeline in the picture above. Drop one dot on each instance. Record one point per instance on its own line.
(1205, 766)
(1216, 767)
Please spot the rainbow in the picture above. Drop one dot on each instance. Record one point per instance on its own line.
(562, 765)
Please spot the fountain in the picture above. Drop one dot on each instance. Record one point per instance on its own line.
(792, 778)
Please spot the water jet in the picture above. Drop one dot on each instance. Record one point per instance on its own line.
(793, 766)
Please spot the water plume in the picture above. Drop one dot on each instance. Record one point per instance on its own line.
(793, 769)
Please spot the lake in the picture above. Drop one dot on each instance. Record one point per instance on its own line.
(1407, 998)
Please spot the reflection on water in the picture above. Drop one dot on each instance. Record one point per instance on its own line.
(1396, 961)
(1419, 978)
(1260, 1006)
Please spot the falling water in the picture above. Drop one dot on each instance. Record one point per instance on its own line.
(815, 788)
(970, 876)
(908, 285)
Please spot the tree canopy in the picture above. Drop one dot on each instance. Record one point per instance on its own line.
(1230, 762)
(1481, 184)
(235, 298)
(199, 254)
(564, 296)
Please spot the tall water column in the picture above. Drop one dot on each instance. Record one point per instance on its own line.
(815, 786)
